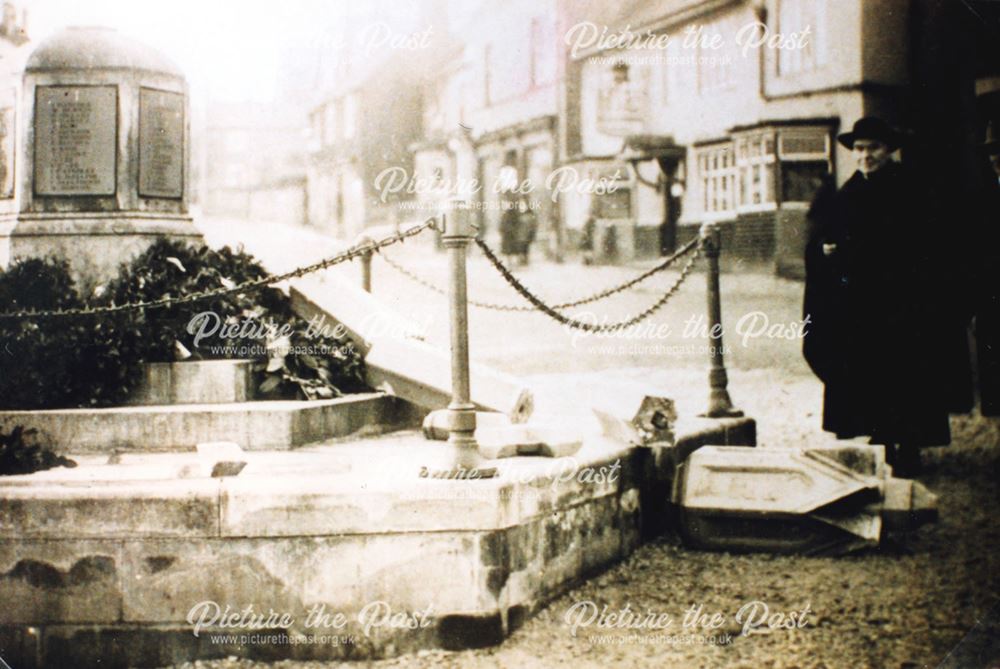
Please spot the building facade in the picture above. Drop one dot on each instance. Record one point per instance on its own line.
(490, 129)
(725, 111)
(359, 135)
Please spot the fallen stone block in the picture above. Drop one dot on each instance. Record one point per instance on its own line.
(819, 501)
(638, 419)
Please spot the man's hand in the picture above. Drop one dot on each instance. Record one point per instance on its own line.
(829, 248)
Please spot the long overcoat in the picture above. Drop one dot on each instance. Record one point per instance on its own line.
(987, 305)
(510, 228)
(879, 325)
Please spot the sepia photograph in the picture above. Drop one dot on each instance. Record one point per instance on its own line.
(527, 333)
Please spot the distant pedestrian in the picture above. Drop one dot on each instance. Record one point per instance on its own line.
(509, 225)
(876, 334)
(587, 234)
(527, 229)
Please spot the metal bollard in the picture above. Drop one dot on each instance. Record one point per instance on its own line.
(366, 271)
(719, 403)
(459, 231)
(366, 262)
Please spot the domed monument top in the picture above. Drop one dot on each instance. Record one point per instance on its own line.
(97, 48)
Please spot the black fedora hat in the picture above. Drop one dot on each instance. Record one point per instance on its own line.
(871, 127)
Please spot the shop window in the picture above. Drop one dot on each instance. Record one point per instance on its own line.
(755, 162)
(717, 179)
(800, 180)
(805, 161)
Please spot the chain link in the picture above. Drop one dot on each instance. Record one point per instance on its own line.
(604, 294)
(580, 325)
(350, 254)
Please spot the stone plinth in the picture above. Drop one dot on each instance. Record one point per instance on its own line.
(195, 382)
(103, 162)
(102, 565)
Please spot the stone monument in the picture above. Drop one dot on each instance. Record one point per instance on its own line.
(102, 167)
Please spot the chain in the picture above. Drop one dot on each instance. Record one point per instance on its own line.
(254, 284)
(580, 325)
(604, 294)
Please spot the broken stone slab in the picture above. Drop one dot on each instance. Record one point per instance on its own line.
(819, 501)
(332, 305)
(421, 374)
(907, 504)
(638, 418)
(396, 360)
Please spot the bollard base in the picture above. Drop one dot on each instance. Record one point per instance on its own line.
(468, 463)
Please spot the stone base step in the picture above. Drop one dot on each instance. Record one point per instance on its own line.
(274, 425)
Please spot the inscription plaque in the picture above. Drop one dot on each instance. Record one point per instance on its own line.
(76, 130)
(161, 143)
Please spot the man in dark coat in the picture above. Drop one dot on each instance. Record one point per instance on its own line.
(987, 287)
(875, 331)
(510, 246)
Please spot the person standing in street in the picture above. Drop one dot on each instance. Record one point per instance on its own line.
(527, 228)
(509, 225)
(876, 330)
(987, 285)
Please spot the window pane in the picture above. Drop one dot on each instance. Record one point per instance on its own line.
(801, 179)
